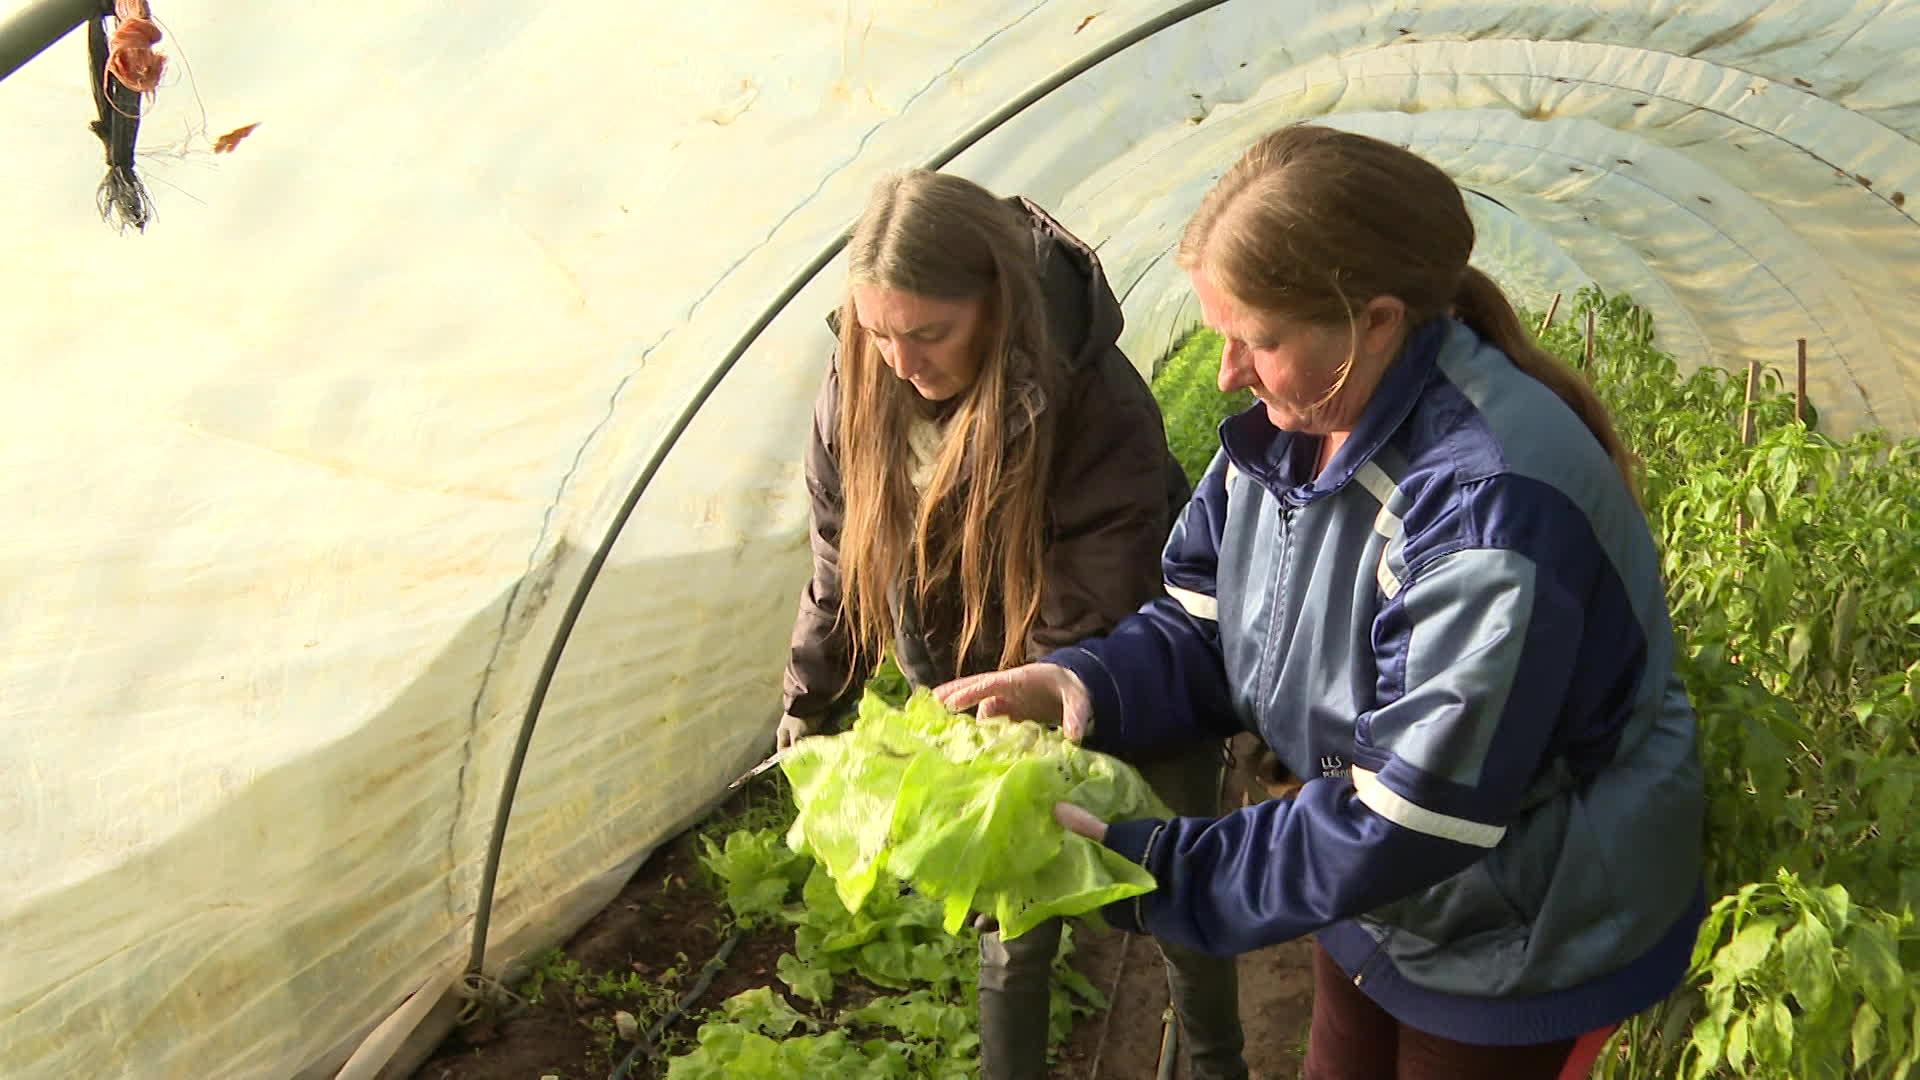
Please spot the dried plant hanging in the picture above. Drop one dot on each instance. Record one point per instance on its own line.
(124, 68)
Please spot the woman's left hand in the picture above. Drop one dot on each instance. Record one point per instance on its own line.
(1079, 820)
(1042, 692)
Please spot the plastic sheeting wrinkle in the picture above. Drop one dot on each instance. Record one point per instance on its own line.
(1657, 195)
(1847, 41)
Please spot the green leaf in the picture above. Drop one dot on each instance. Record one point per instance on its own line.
(1737, 1043)
(763, 1010)
(735, 1052)
(1866, 1035)
(1894, 794)
(1748, 949)
(808, 981)
(1912, 1055)
(1708, 939)
(1807, 953)
(1772, 1034)
(1839, 906)
(1787, 483)
(1846, 612)
(1799, 647)
(1877, 965)
(757, 870)
(1709, 1040)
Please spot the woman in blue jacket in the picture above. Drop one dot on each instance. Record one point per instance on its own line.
(1418, 569)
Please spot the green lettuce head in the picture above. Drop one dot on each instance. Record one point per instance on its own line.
(962, 809)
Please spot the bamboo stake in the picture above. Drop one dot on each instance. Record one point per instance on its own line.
(1746, 411)
(1800, 386)
(1552, 309)
(1746, 435)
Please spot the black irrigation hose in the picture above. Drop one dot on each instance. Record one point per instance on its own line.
(483, 913)
(647, 1044)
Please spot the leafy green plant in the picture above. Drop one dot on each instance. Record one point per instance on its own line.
(896, 940)
(889, 683)
(1794, 584)
(764, 1011)
(552, 968)
(734, 1051)
(767, 803)
(1186, 385)
(756, 870)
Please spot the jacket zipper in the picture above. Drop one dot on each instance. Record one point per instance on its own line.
(1270, 665)
(1360, 973)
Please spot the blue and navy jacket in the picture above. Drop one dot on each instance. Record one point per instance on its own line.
(1458, 635)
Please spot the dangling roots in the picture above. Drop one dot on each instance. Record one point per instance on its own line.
(123, 200)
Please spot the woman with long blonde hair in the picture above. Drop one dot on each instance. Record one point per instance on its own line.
(1418, 569)
(990, 481)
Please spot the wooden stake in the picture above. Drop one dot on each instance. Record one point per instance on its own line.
(1586, 364)
(1746, 411)
(1746, 435)
(1552, 309)
(1800, 386)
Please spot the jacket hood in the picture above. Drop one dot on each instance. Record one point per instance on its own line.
(1083, 314)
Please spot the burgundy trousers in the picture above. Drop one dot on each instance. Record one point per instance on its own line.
(1355, 1039)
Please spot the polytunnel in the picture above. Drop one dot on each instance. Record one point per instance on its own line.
(320, 485)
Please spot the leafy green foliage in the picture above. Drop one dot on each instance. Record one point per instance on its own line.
(1806, 985)
(757, 870)
(552, 968)
(765, 1011)
(1186, 385)
(942, 1038)
(736, 1052)
(1794, 583)
(889, 683)
(640, 1000)
(896, 940)
(963, 809)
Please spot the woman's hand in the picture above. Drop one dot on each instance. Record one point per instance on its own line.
(791, 730)
(1079, 820)
(1047, 693)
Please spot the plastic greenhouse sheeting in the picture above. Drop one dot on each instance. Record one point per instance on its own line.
(299, 482)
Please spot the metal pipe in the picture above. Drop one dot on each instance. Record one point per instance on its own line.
(29, 31)
(657, 456)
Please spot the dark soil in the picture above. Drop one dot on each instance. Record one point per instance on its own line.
(662, 928)
(1276, 1003)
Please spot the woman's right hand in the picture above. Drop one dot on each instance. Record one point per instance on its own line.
(1046, 693)
(791, 730)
